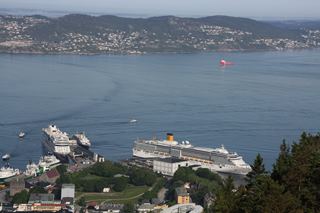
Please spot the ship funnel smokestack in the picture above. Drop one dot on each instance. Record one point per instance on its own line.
(170, 137)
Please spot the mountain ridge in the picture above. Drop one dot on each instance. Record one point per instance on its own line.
(81, 33)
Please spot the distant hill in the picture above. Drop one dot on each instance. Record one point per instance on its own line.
(77, 33)
(297, 25)
(164, 24)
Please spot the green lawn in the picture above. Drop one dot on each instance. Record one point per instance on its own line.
(131, 193)
(91, 177)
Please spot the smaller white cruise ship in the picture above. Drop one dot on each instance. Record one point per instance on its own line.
(82, 139)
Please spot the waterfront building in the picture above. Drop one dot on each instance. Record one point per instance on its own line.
(168, 166)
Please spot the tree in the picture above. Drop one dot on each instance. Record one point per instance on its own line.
(82, 202)
(266, 195)
(293, 186)
(120, 184)
(128, 208)
(62, 169)
(184, 174)
(256, 169)
(140, 177)
(302, 178)
(283, 163)
(207, 174)
(199, 194)
(21, 197)
(226, 200)
(37, 189)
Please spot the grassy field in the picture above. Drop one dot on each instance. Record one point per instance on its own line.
(131, 193)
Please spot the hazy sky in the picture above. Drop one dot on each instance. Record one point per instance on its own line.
(245, 8)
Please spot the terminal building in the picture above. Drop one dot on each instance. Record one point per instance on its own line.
(168, 166)
(67, 196)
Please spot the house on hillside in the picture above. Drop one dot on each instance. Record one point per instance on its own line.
(182, 195)
(50, 176)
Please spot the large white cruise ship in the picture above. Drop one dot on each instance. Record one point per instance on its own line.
(215, 159)
(57, 142)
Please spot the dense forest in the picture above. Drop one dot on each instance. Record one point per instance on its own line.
(293, 185)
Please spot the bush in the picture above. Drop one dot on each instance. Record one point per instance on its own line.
(207, 174)
(106, 169)
(62, 169)
(82, 202)
(128, 208)
(154, 192)
(120, 184)
(21, 197)
(141, 177)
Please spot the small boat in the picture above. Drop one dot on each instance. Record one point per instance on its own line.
(224, 62)
(6, 157)
(21, 134)
(133, 121)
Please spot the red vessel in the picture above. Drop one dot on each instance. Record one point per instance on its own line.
(224, 62)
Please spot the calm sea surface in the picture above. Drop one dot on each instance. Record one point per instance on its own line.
(249, 107)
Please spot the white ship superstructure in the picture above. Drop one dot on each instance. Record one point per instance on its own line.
(8, 172)
(46, 163)
(58, 141)
(215, 159)
(32, 169)
(82, 139)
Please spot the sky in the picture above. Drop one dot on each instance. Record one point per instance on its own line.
(285, 9)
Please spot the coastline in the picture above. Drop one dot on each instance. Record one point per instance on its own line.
(154, 53)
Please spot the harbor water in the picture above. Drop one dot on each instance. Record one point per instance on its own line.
(250, 106)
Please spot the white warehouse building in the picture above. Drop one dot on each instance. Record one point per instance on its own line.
(168, 166)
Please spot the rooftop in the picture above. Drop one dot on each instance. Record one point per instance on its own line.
(53, 173)
(146, 206)
(181, 191)
(41, 198)
(68, 185)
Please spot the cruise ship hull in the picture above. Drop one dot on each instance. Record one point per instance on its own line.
(144, 154)
(83, 146)
(3, 179)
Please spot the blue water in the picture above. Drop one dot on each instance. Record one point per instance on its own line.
(249, 107)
